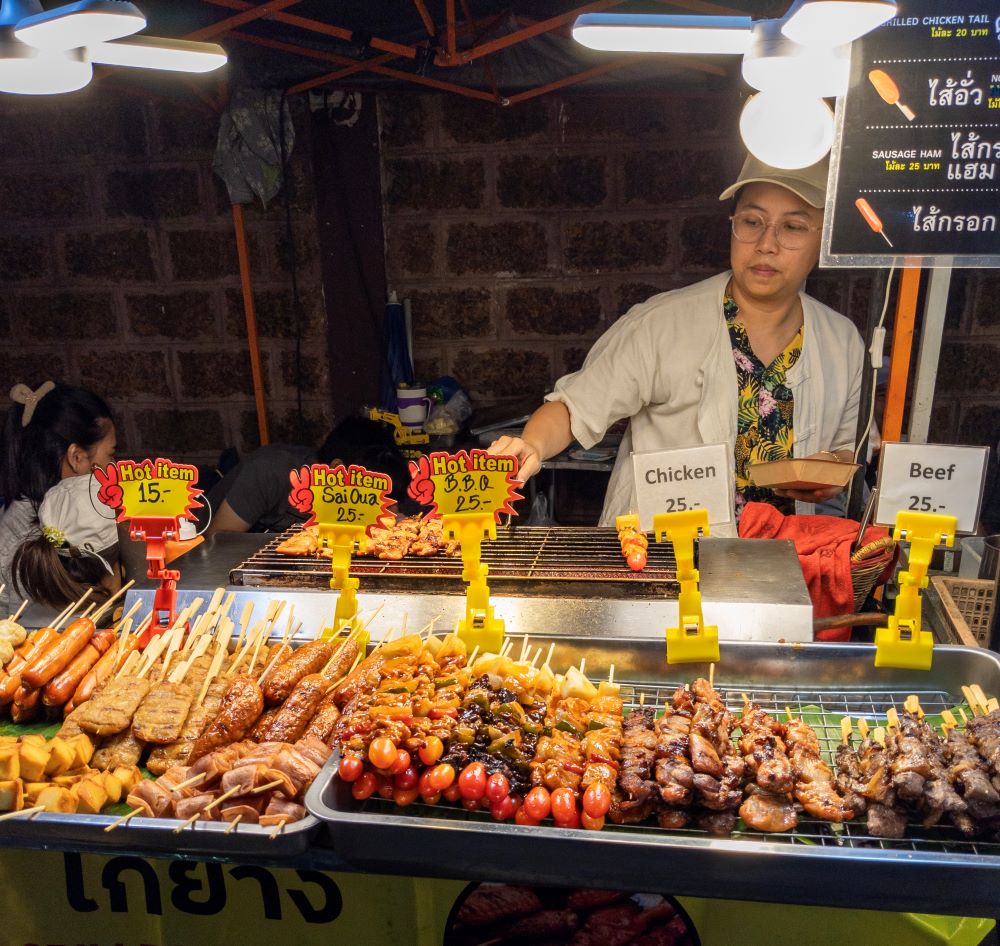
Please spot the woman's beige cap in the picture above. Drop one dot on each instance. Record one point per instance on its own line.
(808, 183)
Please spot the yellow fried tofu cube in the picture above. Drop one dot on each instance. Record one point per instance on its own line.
(67, 780)
(61, 757)
(54, 798)
(33, 789)
(90, 796)
(33, 739)
(129, 776)
(84, 748)
(8, 740)
(34, 758)
(10, 762)
(11, 795)
(114, 787)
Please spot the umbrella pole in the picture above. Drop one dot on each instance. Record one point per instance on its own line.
(251, 320)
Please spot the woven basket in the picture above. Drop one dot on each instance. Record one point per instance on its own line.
(867, 564)
(968, 606)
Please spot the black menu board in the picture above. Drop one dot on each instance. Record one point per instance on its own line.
(915, 169)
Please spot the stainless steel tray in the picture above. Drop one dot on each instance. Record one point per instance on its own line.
(931, 870)
(73, 832)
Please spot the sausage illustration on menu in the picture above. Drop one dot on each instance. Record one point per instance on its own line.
(886, 87)
(871, 218)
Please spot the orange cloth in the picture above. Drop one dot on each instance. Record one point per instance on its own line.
(823, 544)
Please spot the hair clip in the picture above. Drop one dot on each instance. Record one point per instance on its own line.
(56, 536)
(22, 394)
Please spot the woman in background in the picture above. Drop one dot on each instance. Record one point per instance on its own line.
(55, 541)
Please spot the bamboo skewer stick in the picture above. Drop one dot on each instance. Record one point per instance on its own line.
(949, 720)
(233, 824)
(214, 667)
(472, 656)
(185, 824)
(524, 649)
(892, 718)
(965, 719)
(970, 698)
(611, 675)
(273, 836)
(878, 735)
(534, 660)
(548, 656)
(222, 797)
(194, 780)
(130, 664)
(107, 604)
(261, 637)
(123, 820)
(20, 610)
(711, 675)
(269, 668)
(863, 727)
(912, 705)
(22, 813)
(67, 611)
(846, 729)
(583, 664)
(175, 640)
(130, 613)
(260, 789)
(244, 623)
(981, 698)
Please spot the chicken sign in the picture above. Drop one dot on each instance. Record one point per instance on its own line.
(466, 483)
(158, 489)
(341, 496)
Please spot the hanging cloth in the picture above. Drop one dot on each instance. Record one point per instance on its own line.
(248, 153)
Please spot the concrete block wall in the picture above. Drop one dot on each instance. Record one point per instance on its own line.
(520, 235)
(118, 271)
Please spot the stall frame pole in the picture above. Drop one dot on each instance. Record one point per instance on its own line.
(251, 319)
(902, 347)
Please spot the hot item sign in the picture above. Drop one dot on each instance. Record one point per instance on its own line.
(341, 495)
(151, 488)
(466, 483)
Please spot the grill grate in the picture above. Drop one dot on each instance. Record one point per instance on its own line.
(578, 561)
(870, 704)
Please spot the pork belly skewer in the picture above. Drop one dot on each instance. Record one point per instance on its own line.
(717, 764)
(815, 788)
(969, 773)
(939, 796)
(636, 792)
(768, 805)
(672, 765)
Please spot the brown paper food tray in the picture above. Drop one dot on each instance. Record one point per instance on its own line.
(802, 474)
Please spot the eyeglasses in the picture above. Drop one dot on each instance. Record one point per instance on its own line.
(749, 227)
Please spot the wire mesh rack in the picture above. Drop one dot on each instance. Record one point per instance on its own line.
(580, 560)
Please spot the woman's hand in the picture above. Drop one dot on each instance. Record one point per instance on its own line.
(529, 459)
(810, 495)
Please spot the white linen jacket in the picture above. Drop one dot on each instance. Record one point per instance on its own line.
(667, 365)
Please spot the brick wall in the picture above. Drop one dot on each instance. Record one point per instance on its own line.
(118, 272)
(521, 234)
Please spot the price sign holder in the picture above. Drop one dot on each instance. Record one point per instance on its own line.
(904, 643)
(345, 503)
(692, 641)
(152, 496)
(470, 490)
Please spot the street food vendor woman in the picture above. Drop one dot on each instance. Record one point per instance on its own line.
(744, 358)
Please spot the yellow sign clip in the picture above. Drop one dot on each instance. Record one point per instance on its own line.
(692, 641)
(480, 627)
(904, 643)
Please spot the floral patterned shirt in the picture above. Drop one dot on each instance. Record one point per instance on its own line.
(764, 416)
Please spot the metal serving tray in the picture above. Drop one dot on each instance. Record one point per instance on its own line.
(931, 870)
(73, 832)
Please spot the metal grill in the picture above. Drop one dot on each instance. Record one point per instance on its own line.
(871, 705)
(582, 562)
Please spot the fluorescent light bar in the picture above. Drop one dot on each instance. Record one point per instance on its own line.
(25, 70)
(81, 23)
(655, 33)
(835, 22)
(773, 63)
(154, 52)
